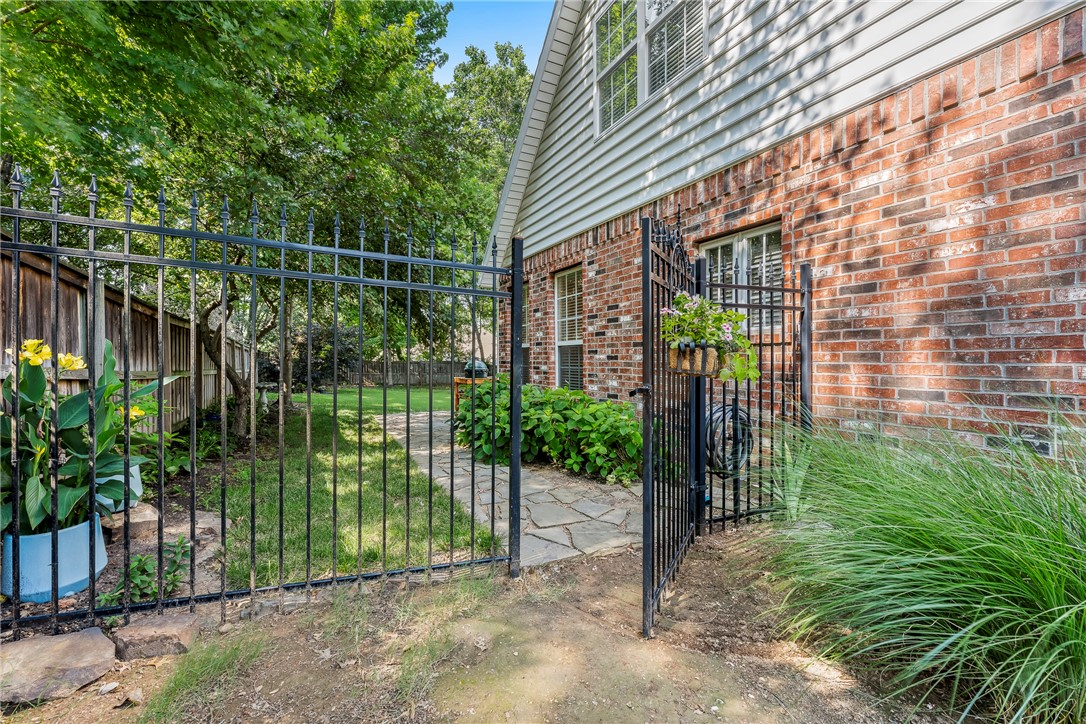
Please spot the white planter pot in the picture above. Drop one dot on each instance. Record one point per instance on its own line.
(135, 489)
(36, 562)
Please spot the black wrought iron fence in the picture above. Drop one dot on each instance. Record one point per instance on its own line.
(254, 494)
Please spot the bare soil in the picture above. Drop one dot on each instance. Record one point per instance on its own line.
(560, 644)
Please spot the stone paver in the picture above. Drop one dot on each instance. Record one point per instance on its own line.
(557, 509)
(593, 536)
(547, 515)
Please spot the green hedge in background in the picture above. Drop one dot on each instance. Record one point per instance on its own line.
(565, 427)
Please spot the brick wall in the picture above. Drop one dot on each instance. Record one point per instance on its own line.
(947, 232)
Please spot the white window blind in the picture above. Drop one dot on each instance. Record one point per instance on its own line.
(568, 333)
(751, 259)
(676, 44)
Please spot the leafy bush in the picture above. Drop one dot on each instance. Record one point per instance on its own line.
(950, 565)
(566, 427)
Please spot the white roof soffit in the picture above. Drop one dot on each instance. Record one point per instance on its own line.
(552, 59)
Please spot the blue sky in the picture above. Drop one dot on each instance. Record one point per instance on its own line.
(485, 22)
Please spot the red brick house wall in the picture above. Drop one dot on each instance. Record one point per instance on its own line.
(946, 229)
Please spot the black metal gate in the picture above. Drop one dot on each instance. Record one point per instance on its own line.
(715, 452)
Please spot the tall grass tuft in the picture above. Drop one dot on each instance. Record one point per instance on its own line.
(952, 567)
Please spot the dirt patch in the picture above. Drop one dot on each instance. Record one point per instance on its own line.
(560, 644)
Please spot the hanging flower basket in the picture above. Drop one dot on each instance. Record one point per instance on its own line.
(705, 340)
(694, 360)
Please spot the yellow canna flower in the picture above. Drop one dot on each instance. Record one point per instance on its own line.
(134, 412)
(36, 352)
(70, 362)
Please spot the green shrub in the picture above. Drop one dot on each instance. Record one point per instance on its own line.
(949, 565)
(566, 427)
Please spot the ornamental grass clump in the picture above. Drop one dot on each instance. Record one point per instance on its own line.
(960, 570)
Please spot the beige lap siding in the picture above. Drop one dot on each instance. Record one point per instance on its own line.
(946, 228)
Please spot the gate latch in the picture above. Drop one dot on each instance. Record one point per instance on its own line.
(643, 390)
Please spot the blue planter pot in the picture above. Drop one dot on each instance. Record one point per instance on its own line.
(135, 489)
(36, 562)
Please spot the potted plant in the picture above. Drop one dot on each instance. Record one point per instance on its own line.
(705, 340)
(30, 410)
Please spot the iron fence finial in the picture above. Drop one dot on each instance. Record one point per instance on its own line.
(254, 215)
(55, 187)
(194, 205)
(309, 225)
(16, 182)
(283, 216)
(161, 198)
(92, 190)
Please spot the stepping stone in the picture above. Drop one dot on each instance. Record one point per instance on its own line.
(537, 552)
(594, 536)
(540, 498)
(555, 535)
(530, 485)
(635, 525)
(546, 515)
(156, 636)
(590, 508)
(567, 495)
(616, 516)
(142, 524)
(51, 667)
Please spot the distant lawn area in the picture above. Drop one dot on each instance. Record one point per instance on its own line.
(381, 546)
(373, 399)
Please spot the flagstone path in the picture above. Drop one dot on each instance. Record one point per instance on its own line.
(562, 516)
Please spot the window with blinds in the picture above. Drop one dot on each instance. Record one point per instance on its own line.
(677, 43)
(568, 333)
(754, 258)
(616, 61)
(525, 345)
(641, 46)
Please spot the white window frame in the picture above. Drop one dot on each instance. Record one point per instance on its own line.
(558, 343)
(741, 258)
(641, 48)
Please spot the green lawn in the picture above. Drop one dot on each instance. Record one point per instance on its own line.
(372, 547)
(373, 399)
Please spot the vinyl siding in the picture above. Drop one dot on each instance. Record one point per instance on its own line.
(774, 69)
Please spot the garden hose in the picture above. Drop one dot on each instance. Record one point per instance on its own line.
(719, 438)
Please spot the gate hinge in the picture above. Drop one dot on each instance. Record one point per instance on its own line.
(643, 390)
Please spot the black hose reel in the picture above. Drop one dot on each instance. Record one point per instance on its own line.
(727, 442)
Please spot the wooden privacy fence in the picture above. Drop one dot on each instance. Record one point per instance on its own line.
(36, 312)
(400, 372)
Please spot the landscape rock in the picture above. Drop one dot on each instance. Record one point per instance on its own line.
(51, 667)
(157, 636)
(142, 524)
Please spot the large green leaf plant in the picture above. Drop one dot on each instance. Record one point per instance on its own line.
(32, 413)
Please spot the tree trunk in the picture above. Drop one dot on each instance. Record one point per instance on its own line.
(239, 425)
